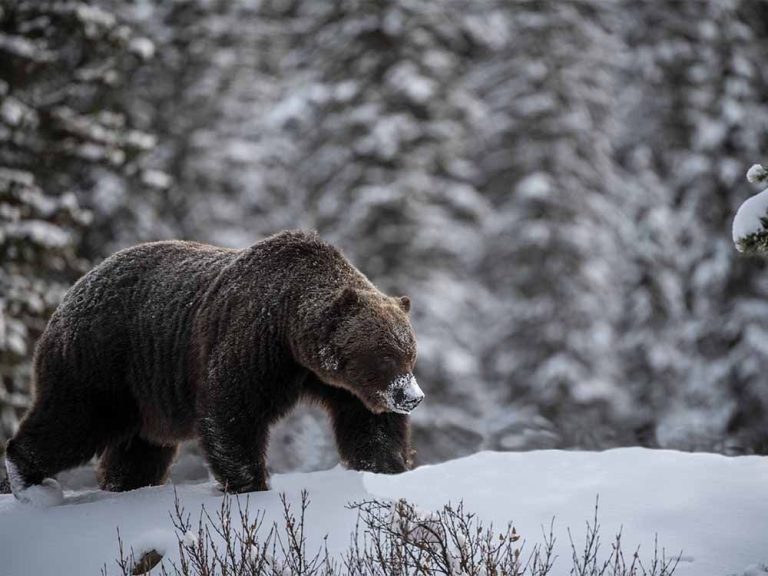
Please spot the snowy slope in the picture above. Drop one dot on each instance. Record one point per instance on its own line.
(713, 508)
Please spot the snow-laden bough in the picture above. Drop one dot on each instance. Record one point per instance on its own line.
(750, 226)
(757, 174)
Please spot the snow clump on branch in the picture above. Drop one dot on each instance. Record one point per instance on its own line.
(750, 226)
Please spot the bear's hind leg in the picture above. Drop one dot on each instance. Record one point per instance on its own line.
(134, 463)
(47, 442)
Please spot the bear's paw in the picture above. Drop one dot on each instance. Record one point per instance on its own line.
(44, 495)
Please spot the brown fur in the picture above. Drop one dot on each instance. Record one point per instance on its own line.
(174, 340)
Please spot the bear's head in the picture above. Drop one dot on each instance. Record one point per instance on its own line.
(369, 348)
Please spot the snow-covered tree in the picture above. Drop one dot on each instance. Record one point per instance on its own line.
(696, 314)
(206, 95)
(59, 64)
(381, 120)
(750, 225)
(551, 183)
(553, 252)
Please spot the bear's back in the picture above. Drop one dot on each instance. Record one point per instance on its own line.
(134, 279)
(125, 327)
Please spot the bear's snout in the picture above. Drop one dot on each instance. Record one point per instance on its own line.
(404, 394)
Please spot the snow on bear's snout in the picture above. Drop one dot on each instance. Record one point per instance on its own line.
(403, 394)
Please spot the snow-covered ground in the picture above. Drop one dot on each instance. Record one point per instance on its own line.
(713, 508)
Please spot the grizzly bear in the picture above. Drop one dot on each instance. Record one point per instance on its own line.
(173, 340)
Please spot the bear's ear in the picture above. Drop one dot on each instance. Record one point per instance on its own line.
(405, 303)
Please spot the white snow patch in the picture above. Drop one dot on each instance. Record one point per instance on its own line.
(534, 187)
(156, 179)
(11, 111)
(757, 174)
(95, 16)
(48, 493)
(410, 520)
(190, 539)
(407, 79)
(144, 48)
(328, 360)
(44, 495)
(39, 232)
(756, 570)
(749, 217)
(14, 477)
(161, 540)
(711, 507)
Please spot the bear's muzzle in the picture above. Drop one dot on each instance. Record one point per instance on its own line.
(403, 394)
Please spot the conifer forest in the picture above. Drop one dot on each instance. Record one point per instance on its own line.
(551, 183)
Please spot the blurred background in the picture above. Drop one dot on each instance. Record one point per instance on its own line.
(551, 182)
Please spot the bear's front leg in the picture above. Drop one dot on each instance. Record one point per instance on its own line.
(366, 441)
(246, 390)
(373, 442)
(236, 451)
(233, 428)
(238, 402)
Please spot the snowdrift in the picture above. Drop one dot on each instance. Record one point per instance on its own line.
(712, 508)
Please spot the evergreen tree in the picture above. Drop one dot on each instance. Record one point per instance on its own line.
(380, 121)
(207, 94)
(551, 183)
(695, 99)
(59, 64)
(554, 255)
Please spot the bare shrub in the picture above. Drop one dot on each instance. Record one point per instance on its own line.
(391, 538)
(587, 561)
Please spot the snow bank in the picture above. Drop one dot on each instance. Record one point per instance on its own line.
(713, 508)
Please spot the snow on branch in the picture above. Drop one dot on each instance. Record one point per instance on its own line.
(750, 226)
(757, 174)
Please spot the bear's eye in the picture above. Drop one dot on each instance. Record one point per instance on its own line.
(388, 364)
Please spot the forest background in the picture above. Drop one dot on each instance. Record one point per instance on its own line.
(552, 183)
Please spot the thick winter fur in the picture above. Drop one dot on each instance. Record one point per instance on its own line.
(174, 340)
